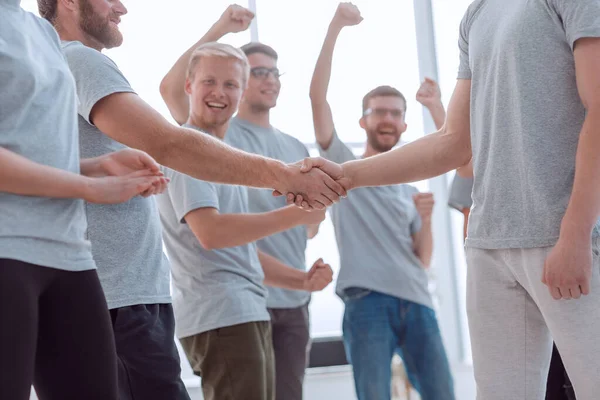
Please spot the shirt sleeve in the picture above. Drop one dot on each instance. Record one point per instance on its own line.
(188, 194)
(460, 193)
(337, 151)
(579, 18)
(464, 67)
(96, 76)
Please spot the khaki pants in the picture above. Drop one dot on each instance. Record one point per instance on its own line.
(513, 319)
(234, 362)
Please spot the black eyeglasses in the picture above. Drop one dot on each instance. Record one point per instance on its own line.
(263, 72)
(381, 112)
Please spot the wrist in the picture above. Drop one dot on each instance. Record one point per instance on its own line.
(216, 32)
(335, 27)
(280, 174)
(92, 166)
(573, 229)
(350, 172)
(83, 187)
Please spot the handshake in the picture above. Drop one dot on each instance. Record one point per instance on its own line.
(314, 183)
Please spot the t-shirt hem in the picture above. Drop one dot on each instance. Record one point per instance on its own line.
(510, 243)
(464, 75)
(63, 265)
(112, 304)
(283, 305)
(223, 324)
(341, 286)
(94, 99)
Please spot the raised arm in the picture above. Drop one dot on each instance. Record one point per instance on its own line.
(216, 231)
(234, 19)
(345, 15)
(568, 268)
(430, 96)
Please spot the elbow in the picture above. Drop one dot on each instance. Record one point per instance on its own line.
(208, 242)
(164, 89)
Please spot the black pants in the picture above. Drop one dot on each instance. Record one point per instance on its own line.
(559, 385)
(55, 333)
(149, 364)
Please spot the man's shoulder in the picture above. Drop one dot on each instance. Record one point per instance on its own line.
(78, 54)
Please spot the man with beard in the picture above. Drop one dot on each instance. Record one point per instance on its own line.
(251, 131)
(526, 110)
(126, 239)
(220, 300)
(385, 244)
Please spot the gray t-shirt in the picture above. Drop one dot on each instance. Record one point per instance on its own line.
(38, 121)
(373, 228)
(289, 246)
(126, 238)
(526, 115)
(211, 288)
(460, 193)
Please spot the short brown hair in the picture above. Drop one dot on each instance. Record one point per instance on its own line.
(216, 49)
(382, 91)
(47, 9)
(256, 47)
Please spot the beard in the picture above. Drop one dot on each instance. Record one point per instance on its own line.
(98, 27)
(376, 139)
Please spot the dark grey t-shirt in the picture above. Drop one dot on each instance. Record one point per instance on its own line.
(289, 246)
(38, 120)
(373, 229)
(526, 115)
(126, 238)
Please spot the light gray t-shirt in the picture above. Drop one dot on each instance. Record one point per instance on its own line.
(460, 193)
(126, 238)
(373, 229)
(38, 120)
(211, 288)
(526, 115)
(289, 246)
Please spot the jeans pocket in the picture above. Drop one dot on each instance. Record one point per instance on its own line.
(355, 293)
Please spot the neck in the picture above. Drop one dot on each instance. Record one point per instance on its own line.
(218, 131)
(370, 151)
(73, 32)
(256, 117)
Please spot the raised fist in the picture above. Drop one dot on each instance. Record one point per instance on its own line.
(347, 14)
(424, 203)
(235, 19)
(429, 93)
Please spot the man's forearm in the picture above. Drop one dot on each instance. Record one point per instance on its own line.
(19, 175)
(230, 230)
(427, 157)
(438, 114)
(424, 244)
(584, 206)
(280, 275)
(206, 158)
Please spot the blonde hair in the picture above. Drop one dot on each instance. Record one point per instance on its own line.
(215, 49)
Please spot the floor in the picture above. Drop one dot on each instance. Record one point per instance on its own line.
(336, 383)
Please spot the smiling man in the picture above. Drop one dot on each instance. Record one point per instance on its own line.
(127, 238)
(251, 131)
(385, 242)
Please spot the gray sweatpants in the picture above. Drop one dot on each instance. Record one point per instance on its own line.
(513, 318)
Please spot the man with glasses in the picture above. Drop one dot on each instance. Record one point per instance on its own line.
(385, 244)
(252, 131)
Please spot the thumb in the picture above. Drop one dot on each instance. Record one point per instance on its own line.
(307, 165)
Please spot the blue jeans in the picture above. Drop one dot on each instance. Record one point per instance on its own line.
(375, 327)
